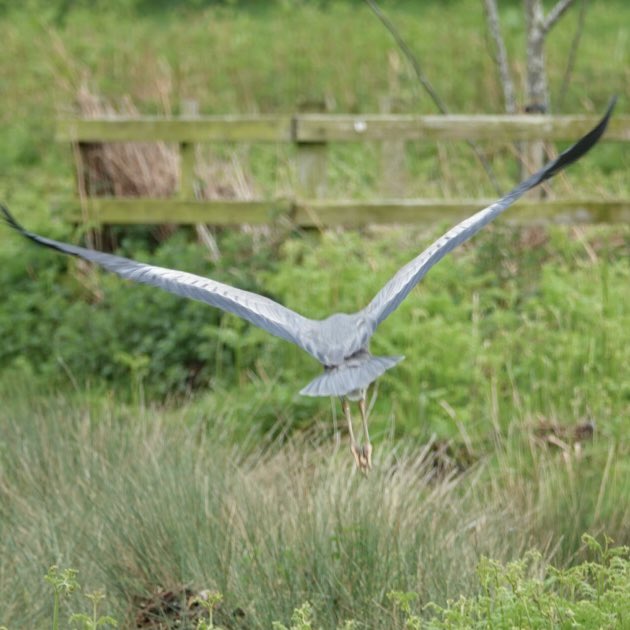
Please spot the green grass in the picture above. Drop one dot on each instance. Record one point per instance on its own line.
(137, 500)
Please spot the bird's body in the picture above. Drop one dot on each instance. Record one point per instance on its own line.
(340, 342)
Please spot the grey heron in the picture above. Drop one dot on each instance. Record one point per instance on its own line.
(340, 342)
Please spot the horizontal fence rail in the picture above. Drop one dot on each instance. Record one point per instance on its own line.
(350, 213)
(337, 128)
(310, 133)
(199, 130)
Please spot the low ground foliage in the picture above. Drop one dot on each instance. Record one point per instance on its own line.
(522, 593)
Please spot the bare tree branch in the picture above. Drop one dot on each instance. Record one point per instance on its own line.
(566, 79)
(426, 84)
(555, 14)
(411, 58)
(500, 57)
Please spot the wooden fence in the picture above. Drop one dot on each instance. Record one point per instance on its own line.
(311, 133)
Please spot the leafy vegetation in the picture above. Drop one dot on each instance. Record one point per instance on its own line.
(524, 324)
(160, 448)
(593, 594)
(523, 593)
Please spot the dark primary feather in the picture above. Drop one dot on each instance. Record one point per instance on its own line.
(257, 309)
(397, 289)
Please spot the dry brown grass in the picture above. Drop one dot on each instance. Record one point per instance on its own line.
(151, 169)
(125, 169)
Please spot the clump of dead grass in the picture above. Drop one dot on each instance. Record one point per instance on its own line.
(125, 169)
(151, 169)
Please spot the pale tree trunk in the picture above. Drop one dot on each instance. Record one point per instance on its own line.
(538, 27)
(500, 56)
(537, 91)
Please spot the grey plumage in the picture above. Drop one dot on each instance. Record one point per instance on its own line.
(340, 342)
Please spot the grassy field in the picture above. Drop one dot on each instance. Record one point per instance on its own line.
(139, 500)
(160, 450)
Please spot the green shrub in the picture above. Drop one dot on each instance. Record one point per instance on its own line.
(63, 322)
(545, 324)
(593, 594)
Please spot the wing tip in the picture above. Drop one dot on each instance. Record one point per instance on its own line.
(10, 220)
(13, 223)
(603, 123)
(576, 150)
(589, 139)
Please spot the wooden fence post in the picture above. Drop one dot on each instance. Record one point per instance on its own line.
(312, 158)
(187, 178)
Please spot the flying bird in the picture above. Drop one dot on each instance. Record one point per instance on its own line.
(339, 342)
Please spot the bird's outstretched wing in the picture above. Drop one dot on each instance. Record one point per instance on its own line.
(397, 289)
(259, 310)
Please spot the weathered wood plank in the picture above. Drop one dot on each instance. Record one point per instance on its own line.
(393, 168)
(193, 130)
(312, 168)
(327, 127)
(141, 210)
(311, 158)
(187, 157)
(311, 132)
(502, 128)
(329, 212)
(357, 213)
(186, 171)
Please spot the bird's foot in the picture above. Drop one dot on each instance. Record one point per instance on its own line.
(367, 454)
(362, 457)
(357, 451)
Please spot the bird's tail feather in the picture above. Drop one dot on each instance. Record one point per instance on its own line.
(349, 379)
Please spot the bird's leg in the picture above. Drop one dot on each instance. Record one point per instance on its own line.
(357, 451)
(366, 449)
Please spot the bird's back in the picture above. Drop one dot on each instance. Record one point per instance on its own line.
(336, 338)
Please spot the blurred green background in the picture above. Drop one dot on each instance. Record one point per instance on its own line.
(520, 335)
